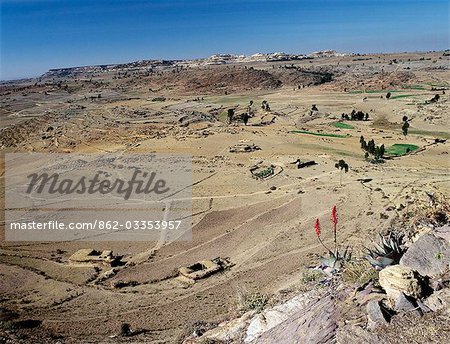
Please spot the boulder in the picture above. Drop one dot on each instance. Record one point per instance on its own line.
(396, 279)
(429, 256)
(406, 304)
(439, 300)
(375, 315)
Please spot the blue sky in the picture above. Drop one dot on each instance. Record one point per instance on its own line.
(40, 34)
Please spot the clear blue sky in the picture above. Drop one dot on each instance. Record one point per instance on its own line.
(40, 34)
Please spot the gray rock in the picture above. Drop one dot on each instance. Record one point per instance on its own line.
(273, 317)
(315, 323)
(424, 308)
(405, 304)
(375, 316)
(443, 232)
(439, 300)
(429, 256)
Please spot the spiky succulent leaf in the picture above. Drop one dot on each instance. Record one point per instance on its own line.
(330, 261)
(380, 261)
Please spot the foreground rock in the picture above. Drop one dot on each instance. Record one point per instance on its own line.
(375, 315)
(272, 317)
(315, 323)
(439, 300)
(397, 279)
(429, 256)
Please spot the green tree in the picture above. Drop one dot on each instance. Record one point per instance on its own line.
(363, 143)
(405, 128)
(230, 115)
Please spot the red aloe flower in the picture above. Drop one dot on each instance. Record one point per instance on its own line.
(334, 217)
(317, 227)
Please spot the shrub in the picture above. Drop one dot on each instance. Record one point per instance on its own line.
(125, 330)
(253, 301)
(310, 275)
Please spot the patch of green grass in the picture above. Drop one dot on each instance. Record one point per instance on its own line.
(318, 134)
(342, 125)
(373, 91)
(223, 117)
(433, 84)
(435, 134)
(324, 148)
(403, 96)
(414, 87)
(399, 149)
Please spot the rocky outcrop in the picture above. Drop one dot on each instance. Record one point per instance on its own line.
(429, 256)
(272, 317)
(230, 331)
(315, 323)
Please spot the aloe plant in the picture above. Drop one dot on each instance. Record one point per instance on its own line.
(336, 260)
(387, 251)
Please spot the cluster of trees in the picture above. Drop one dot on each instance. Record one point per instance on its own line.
(435, 98)
(371, 148)
(356, 116)
(244, 117)
(341, 165)
(265, 105)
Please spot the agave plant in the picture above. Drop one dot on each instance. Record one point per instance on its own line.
(336, 260)
(387, 251)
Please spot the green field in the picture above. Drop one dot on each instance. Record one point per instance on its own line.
(317, 134)
(440, 134)
(403, 96)
(373, 91)
(342, 125)
(413, 87)
(399, 149)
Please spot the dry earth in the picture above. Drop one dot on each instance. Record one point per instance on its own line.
(266, 232)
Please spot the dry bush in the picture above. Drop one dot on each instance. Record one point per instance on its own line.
(251, 301)
(431, 328)
(432, 209)
(359, 272)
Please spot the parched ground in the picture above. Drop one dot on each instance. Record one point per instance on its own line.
(264, 227)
